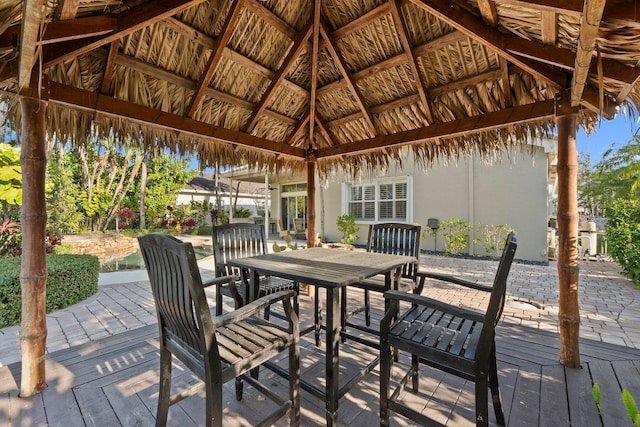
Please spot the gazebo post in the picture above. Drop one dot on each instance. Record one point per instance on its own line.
(568, 262)
(33, 216)
(311, 201)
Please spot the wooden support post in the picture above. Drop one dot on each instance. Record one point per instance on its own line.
(568, 262)
(33, 216)
(311, 202)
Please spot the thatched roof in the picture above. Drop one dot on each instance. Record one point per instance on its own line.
(241, 80)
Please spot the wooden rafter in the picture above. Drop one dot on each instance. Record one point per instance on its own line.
(589, 26)
(314, 69)
(615, 11)
(488, 12)
(32, 11)
(271, 18)
(342, 66)
(468, 125)
(85, 100)
(61, 31)
(328, 135)
(293, 53)
(411, 58)
(493, 39)
(66, 9)
(230, 54)
(302, 123)
(549, 30)
(362, 21)
(216, 56)
(107, 76)
(127, 22)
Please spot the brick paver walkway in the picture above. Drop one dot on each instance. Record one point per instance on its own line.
(609, 308)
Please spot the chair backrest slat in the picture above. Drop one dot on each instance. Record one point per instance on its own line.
(233, 241)
(398, 239)
(181, 307)
(498, 295)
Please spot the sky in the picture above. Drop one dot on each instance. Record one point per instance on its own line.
(617, 131)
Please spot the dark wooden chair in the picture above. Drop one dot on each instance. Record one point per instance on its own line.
(232, 241)
(387, 238)
(216, 349)
(450, 338)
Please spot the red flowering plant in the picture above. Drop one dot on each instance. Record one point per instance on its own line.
(52, 240)
(10, 239)
(188, 224)
(126, 216)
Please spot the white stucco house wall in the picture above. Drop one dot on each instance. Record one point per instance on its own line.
(517, 189)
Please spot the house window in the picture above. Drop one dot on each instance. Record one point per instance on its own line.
(380, 201)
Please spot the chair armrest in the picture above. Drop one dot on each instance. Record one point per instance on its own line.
(451, 279)
(432, 303)
(254, 308)
(220, 280)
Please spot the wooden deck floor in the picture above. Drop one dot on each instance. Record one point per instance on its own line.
(114, 382)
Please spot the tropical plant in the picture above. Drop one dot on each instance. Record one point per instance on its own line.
(10, 239)
(347, 226)
(623, 236)
(10, 178)
(455, 232)
(493, 237)
(629, 403)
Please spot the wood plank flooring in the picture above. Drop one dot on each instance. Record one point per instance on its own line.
(114, 382)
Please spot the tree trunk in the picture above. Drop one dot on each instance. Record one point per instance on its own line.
(568, 263)
(143, 190)
(33, 276)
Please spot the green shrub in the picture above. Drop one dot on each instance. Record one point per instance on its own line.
(456, 233)
(623, 236)
(203, 230)
(347, 226)
(70, 279)
(493, 237)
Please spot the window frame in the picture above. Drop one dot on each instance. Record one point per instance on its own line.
(377, 183)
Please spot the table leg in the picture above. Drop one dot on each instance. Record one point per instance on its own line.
(332, 349)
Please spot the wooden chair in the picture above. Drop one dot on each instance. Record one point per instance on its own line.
(388, 238)
(282, 232)
(299, 230)
(232, 241)
(216, 349)
(449, 338)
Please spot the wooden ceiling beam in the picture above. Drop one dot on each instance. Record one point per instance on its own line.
(488, 12)
(299, 127)
(66, 9)
(490, 37)
(62, 31)
(107, 76)
(455, 128)
(127, 22)
(589, 26)
(178, 80)
(271, 18)
(566, 59)
(216, 55)
(615, 11)
(317, 4)
(549, 30)
(342, 66)
(293, 53)
(85, 100)
(362, 21)
(329, 136)
(32, 11)
(411, 59)
(230, 54)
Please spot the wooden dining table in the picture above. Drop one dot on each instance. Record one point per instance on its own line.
(331, 269)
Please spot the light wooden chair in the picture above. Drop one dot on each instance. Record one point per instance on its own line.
(216, 349)
(447, 337)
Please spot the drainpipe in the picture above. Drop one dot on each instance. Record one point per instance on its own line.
(472, 206)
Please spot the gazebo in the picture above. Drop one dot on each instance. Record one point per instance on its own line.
(312, 85)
